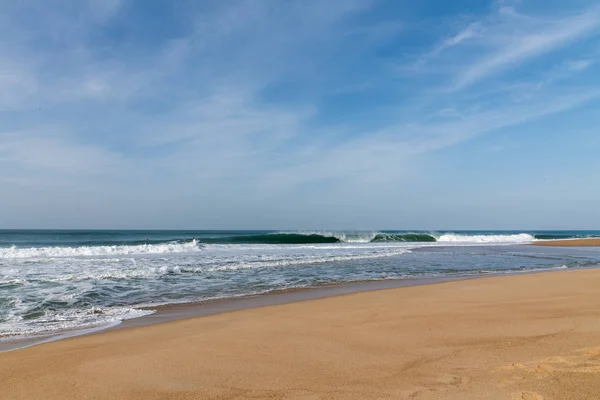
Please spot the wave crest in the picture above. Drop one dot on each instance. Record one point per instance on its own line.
(281, 238)
(87, 251)
(323, 237)
(465, 238)
(371, 237)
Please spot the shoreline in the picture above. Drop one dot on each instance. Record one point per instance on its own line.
(171, 312)
(165, 313)
(584, 242)
(526, 336)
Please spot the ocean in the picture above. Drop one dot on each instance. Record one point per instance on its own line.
(53, 281)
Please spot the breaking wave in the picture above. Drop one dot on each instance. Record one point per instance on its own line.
(83, 251)
(372, 237)
(323, 237)
(189, 244)
(462, 238)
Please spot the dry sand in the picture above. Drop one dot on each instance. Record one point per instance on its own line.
(528, 337)
(570, 243)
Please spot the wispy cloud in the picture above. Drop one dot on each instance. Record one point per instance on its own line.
(580, 65)
(102, 10)
(255, 104)
(471, 31)
(17, 84)
(527, 44)
(46, 151)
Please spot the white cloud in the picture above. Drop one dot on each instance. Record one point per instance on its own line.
(17, 85)
(580, 65)
(255, 102)
(391, 155)
(102, 10)
(46, 152)
(528, 43)
(471, 31)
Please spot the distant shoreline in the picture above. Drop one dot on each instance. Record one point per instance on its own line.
(588, 242)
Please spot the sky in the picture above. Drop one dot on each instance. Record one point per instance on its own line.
(300, 114)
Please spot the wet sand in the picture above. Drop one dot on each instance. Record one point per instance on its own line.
(534, 336)
(175, 311)
(569, 242)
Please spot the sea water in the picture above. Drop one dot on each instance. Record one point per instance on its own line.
(56, 281)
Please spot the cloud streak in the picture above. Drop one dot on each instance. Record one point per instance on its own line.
(519, 48)
(252, 105)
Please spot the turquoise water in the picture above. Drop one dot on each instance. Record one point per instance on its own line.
(60, 280)
(76, 238)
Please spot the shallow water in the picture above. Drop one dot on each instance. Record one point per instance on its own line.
(52, 281)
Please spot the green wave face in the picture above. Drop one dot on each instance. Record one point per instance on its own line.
(381, 237)
(316, 238)
(277, 238)
(556, 236)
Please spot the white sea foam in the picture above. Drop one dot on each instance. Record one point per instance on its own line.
(274, 262)
(462, 238)
(217, 258)
(90, 251)
(65, 320)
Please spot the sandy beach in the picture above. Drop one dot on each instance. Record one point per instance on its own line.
(532, 337)
(570, 242)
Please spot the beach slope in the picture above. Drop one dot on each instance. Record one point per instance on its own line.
(587, 242)
(532, 337)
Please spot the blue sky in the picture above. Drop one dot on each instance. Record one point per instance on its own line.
(354, 114)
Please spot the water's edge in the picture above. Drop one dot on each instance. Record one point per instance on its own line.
(173, 312)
